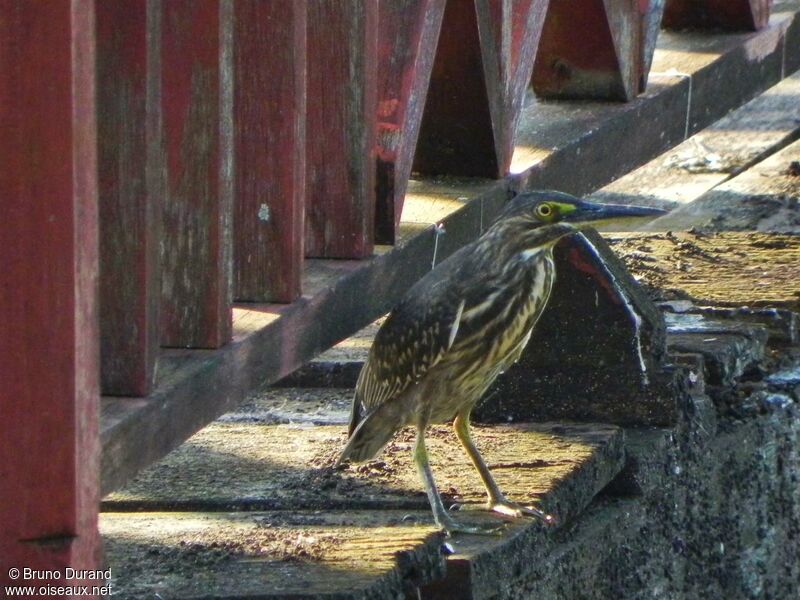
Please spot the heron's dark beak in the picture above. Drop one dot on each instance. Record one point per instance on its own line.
(592, 211)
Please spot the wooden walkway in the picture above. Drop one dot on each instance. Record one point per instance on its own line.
(177, 265)
(553, 150)
(251, 505)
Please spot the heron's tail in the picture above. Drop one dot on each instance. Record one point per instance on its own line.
(368, 437)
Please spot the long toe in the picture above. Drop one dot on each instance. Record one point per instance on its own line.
(512, 509)
(453, 527)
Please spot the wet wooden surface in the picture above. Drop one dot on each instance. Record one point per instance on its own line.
(725, 269)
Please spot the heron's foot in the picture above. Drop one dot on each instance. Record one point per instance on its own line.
(450, 526)
(508, 508)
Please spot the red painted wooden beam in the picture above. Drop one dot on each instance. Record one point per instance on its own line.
(598, 49)
(483, 65)
(341, 115)
(195, 303)
(49, 444)
(129, 198)
(269, 41)
(727, 14)
(408, 32)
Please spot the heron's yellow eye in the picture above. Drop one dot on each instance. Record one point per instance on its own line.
(544, 211)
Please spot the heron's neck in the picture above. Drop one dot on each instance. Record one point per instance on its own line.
(513, 241)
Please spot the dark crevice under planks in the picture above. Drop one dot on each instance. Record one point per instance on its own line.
(561, 145)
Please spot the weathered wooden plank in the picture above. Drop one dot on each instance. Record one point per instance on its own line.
(341, 115)
(357, 518)
(509, 34)
(762, 198)
(719, 269)
(248, 463)
(130, 188)
(692, 78)
(729, 14)
(195, 305)
(726, 148)
(49, 362)
(408, 32)
(269, 147)
(308, 555)
(566, 148)
(482, 68)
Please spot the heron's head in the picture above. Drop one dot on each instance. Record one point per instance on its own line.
(548, 207)
(536, 219)
(541, 218)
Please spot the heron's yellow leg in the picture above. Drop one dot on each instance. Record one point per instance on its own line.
(440, 514)
(497, 501)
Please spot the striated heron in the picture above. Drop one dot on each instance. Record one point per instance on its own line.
(457, 329)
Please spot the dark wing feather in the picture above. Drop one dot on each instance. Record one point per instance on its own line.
(414, 337)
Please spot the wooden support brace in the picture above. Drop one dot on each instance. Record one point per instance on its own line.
(49, 444)
(598, 49)
(341, 116)
(269, 41)
(728, 14)
(195, 303)
(408, 32)
(130, 192)
(483, 65)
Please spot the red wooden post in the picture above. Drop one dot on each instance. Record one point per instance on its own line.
(408, 31)
(598, 49)
(482, 67)
(269, 148)
(728, 14)
(195, 304)
(129, 196)
(49, 448)
(342, 96)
